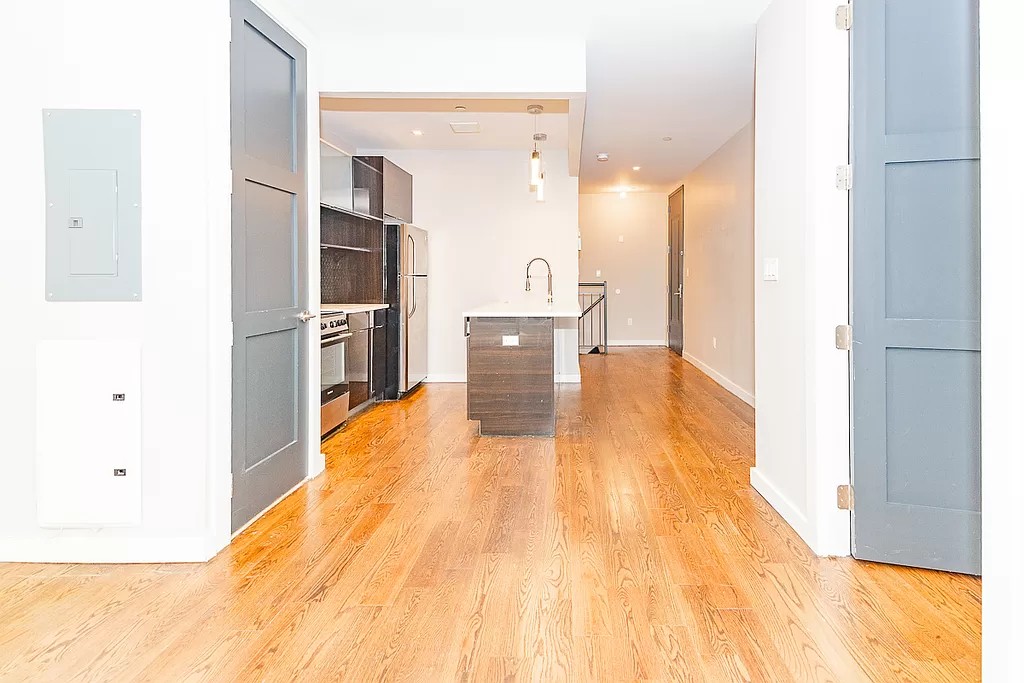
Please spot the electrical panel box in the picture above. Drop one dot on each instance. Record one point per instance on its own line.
(93, 166)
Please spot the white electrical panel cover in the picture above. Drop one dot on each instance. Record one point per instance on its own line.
(93, 171)
(88, 433)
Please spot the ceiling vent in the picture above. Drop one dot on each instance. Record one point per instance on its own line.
(459, 127)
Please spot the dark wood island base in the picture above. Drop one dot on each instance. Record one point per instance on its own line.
(511, 375)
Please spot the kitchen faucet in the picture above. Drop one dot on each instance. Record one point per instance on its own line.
(551, 298)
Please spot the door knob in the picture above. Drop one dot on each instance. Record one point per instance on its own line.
(306, 316)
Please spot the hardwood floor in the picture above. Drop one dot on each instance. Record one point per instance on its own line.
(630, 547)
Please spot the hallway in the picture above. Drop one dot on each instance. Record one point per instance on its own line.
(631, 547)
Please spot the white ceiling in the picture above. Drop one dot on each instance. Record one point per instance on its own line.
(688, 80)
(393, 130)
(655, 68)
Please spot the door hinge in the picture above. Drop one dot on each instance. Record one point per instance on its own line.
(844, 17)
(844, 497)
(844, 177)
(844, 337)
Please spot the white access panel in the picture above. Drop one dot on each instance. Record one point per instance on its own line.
(88, 433)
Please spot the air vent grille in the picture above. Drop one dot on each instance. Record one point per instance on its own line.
(460, 127)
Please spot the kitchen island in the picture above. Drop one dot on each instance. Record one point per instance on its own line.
(510, 379)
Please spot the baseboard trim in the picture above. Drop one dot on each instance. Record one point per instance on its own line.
(723, 381)
(93, 549)
(783, 505)
(637, 342)
(445, 379)
(567, 378)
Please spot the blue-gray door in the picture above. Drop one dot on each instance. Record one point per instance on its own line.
(268, 243)
(916, 283)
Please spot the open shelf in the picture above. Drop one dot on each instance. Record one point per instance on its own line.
(341, 246)
(351, 212)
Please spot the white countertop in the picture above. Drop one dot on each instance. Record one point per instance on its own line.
(531, 307)
(350, 308)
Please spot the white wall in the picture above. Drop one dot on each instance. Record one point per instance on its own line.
(637, 266)
(718, 243)
(484, 227)
(1002, 366)
(183, 320)
(801, 128)
(429, 63)
(101, 55)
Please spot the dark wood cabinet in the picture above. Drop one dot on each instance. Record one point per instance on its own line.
(367, 188)
(511, 386)
(351, 258)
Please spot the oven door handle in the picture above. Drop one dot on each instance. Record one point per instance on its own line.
(332, 341)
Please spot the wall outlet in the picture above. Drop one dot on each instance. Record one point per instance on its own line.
(714, 342)
(629, 321)
(618, 291)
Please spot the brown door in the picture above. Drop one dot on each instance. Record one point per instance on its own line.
(675, 271)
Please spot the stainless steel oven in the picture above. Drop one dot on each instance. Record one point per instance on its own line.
(334, 376)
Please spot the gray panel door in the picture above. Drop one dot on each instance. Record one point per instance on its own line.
(916, 283)
(675, 271)
(268, 245)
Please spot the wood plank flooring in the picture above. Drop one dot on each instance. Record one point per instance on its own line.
(629, 548)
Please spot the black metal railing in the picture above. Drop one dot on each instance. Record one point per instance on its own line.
(593, 323)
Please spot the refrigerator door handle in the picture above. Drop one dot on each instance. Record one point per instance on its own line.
(412, 255)
(412, 295)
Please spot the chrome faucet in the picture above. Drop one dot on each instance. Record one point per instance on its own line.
(551, 297)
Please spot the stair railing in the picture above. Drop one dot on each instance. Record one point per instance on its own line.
(593, 322)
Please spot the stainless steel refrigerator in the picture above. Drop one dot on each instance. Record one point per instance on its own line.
(407, 260)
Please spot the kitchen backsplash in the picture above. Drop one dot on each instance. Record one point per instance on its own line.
(352, 275)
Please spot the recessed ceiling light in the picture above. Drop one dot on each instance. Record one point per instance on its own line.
(460, 107)
(417, 132)
(603, 156)
(636, 168)
(667, 138)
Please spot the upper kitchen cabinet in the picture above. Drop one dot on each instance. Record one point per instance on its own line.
(367, 187)
(397, 192)
(335, 177)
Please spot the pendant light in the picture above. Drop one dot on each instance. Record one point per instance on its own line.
(536, 163)
(535, 159)
(540, 187)
(534, 167)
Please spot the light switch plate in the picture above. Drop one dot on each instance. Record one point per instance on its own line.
(771, 269)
